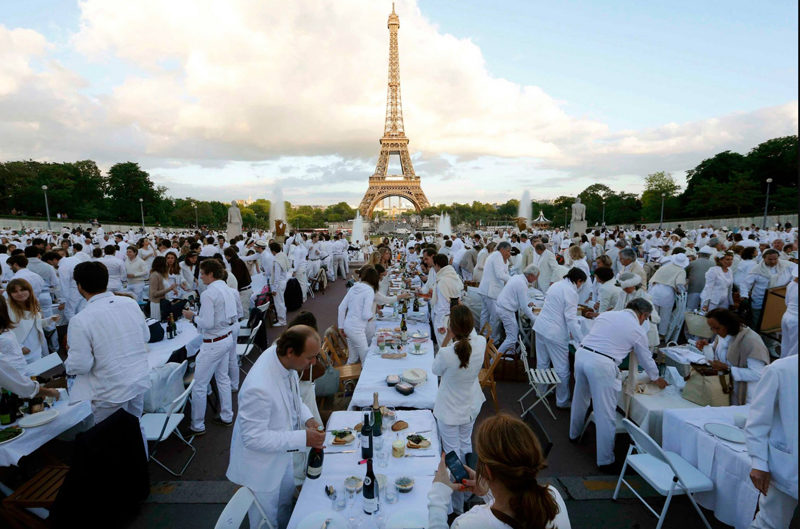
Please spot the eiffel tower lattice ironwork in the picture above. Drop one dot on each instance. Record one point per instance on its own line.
(394, 141)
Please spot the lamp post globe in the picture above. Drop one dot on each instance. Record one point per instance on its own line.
(46, 206)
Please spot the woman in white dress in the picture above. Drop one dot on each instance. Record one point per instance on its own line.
(10, 349)
(718, 290)
(29, 324)
(146, 251)
(459, 398)
(137, 272)
(577, 259)
(509, 460)
(355, 313)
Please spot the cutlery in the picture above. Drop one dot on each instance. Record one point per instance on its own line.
(341, 452)
(325, 524)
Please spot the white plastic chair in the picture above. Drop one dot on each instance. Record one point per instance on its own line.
(667, 472)
(244, 330)
(159, 426)
(235, 511)
(244, 349)
(618, 426)
(536, 379)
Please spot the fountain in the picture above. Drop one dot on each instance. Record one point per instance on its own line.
(357, 235)
(277, 215)
(444, 225)
(524, 211)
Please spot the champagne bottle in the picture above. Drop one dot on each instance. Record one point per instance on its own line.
(416, 304)
(403, 328)
(6, 415)
(170, 323)
(377, 425)
(315, 457)
(370, 491)
(366, 438)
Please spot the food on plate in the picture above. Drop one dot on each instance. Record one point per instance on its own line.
(404, 484)
(417, 441)
(10, 433)
(357, 427)
(399, 425)
(404, 388)
(393, 356)
(392, 380)
(342, 437)
(414, 376)
(386, 412)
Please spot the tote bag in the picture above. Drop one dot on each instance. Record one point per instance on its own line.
(705, 387)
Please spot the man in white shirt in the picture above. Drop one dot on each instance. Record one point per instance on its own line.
(514, 298)
(495, 276)
(545, 261)
(69, 289)
(116, 269)
(279, 275)
(273, 423)
(339, 251)
(218, 312)
(772, 444)
(107, 347)
(608, 343)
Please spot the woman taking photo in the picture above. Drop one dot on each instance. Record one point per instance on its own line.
(355, 313)
(509, 459)
(26, 316)
(738, 350)
(159, 286)
(718, 291)
(459, 398)
(553, 327)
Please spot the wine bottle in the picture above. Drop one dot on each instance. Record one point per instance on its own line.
(170, 323)
(370, 491)
(6, 416)
(377, 423)
(366, 438)
(315, 457)
(416, 304)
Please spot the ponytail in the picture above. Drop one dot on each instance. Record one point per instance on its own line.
(463, 351)
(462, 324)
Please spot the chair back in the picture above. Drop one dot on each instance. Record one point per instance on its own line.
(646, 445)
(174, 384)
(252, 337)
(493, 357)
(486, 330)
(523, 352)
(177, 405)
(235, 511)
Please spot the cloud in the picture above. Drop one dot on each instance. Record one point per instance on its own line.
(227, 99)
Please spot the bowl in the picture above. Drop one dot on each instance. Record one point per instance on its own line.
(353, 484)
(404, 484)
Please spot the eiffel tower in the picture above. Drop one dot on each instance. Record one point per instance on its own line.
(394, 141)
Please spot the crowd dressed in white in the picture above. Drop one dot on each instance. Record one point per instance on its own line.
(635, 283)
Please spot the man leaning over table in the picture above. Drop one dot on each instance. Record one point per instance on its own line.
(107, 351)
(772, 444)
(273, 422)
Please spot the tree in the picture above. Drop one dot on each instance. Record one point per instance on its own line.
(127, 183)
(655, 185)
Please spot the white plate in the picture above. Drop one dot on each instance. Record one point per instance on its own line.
(408, 518)
(38, 419)
(413, 351)
(727, 432)
(419, 334)
(12, 439)
(316, 519)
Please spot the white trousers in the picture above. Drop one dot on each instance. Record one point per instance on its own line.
(456, 438)
(665, 313)
(775, 510)
(693, 300)
(212, 361)
(155, 310)
(549, 351)
(313, 268)
(233, 359)
(357, 344)
(277, 504)
(137, 289)
(788, 334)
(511, 328)
(487, 311)
(596, 380)
(339, 265)
(280, 303)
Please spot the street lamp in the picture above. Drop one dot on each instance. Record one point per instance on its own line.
(46, 207)
(141, 209)
(196, 222)
(766, 205)
(604, 212)
(661, 222)
(565, 218)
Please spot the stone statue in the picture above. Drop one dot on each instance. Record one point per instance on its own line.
(578, 222)
(234, 221)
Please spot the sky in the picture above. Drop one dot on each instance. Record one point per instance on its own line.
(231, 99)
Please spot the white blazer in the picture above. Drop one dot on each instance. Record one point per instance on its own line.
(547, 270)
(559, 316)
(495, 275)
(459, 398)
(263, 437)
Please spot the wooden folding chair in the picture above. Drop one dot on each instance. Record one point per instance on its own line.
(40, 491)
(348, 373)
(337, 346)
(486, 375)
(486, 331)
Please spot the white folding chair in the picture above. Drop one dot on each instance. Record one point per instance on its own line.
(46, 363)
(244, 349)
(667, 472)
(244, 330)
(618, 426)
(234, 512)
(537, 378)
(159, 426)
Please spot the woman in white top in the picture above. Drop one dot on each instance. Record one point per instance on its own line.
(10, 349)
(137, 272)
(718, 290)
(459, 398)
(146, 251)
(355, 312)
(745, 266)
(577, 259)
(509, 459)
(29, 325)
(738, 350)
(789, 320)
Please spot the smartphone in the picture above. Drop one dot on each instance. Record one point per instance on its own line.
(456, 468)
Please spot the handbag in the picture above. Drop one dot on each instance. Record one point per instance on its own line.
(156, 330)
(328, 384)
(706, 387)
(697, 325)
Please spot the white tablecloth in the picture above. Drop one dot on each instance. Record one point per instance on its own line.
(419, 421)
(159, 352)
(647, 410)
(375, 369)
(33, 438)
(734, 499)
(313, 498)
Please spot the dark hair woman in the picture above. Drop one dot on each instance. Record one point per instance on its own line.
(159, 286)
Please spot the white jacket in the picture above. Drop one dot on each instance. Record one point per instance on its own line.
(718, 290)
(772, 424)
(355, 310)
(459, 398)
(559, 316)
(495, 275)
(547, 269)
(514, 296)
(264, 437)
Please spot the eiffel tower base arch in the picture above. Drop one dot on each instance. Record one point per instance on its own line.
(379, 189)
